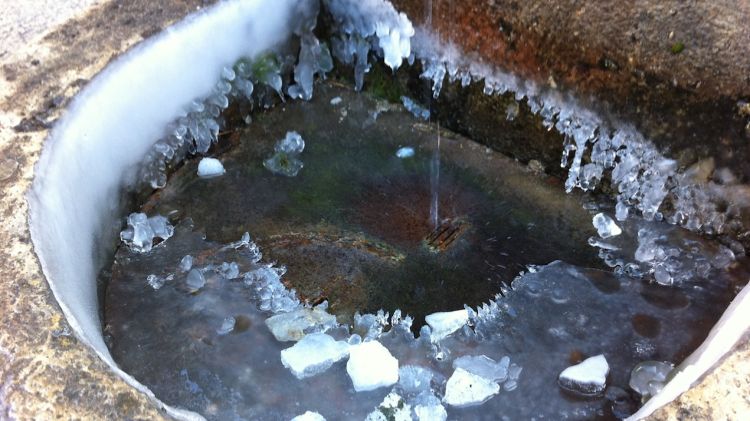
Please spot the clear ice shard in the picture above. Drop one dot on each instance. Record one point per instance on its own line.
(294, 325)
(649, 377)
(405, 152)
(141, 231)
(605, 226)
(309, 416)
(210, 167)
(371, 366)
(414, 108)
(587, 378)
(467, 389)
(443, 324)
(313, 354)
(285, 160)
(484, 366)
(195, 280)
(227, 326)
(186, 263)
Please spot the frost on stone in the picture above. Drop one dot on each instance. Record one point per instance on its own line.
(587, 378)
(294, 325)
(227, 326)
(649, 377)
(285, 160)
(210, 168)
(309, 416)
(484, 366)
(371, 366)
(413, 107)
(314, 354)
(393, 408)
(142, 230)
(467, 389)
(443, 324)
(605, 226)
(369, 25)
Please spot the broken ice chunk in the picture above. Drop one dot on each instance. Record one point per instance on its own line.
(405, 152)
(649, 377)
(427, 407)
(186, 263)
(484, 366)
(195, 280)
(210, 167)
(605, 226)
(393, 408)
(371, 366)
(285, 159)
(141, 231)
(445, 323)
(293, 326)
(467, 389)
(314, 354)
(227, 325)
(309, 416)
(154, 281)
(586, 378)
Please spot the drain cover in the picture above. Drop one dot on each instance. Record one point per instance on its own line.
(446, 234)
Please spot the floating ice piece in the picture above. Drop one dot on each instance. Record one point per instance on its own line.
(186, 263)
(210, 167)
(155, 281)
(227, 325)
(605, 226)
(336, 100)
(445, 323)
(393, 408)
(195, 280)
(467, 389)
(141, 231)
(314, 354)
(371, 366)
(587, 378)
(649, 377)
(285, 159)
(405, 152)
(413, 107)
(484, 366)
(413, 379)
(294, 325)
(427, 407)
(309, 416)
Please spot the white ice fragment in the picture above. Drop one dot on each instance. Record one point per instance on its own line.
(292, 143)
(467, 389)
(210, 167)
(445, 323)
(155, 281)
(405, 152)
(294, 325)
(141, 231)
(314, 354)
(605, 226)
(394, 406)
(336, 100)
(186, 263)
(484, 366)
(587, 378)
(309, 416)
(371, 366)
(649, 377)
(195, 280)
(227, 325)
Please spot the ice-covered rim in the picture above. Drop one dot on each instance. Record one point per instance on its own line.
(70, 210)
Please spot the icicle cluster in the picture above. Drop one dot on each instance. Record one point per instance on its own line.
(369, 25)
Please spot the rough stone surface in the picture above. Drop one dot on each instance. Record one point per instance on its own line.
(45, 372)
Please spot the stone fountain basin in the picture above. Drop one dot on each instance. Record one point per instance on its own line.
(48, 366)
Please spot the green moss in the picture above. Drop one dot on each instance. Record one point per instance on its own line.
(380, 83)
(677, 47)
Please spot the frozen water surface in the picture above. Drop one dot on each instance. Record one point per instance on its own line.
(352, 230)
